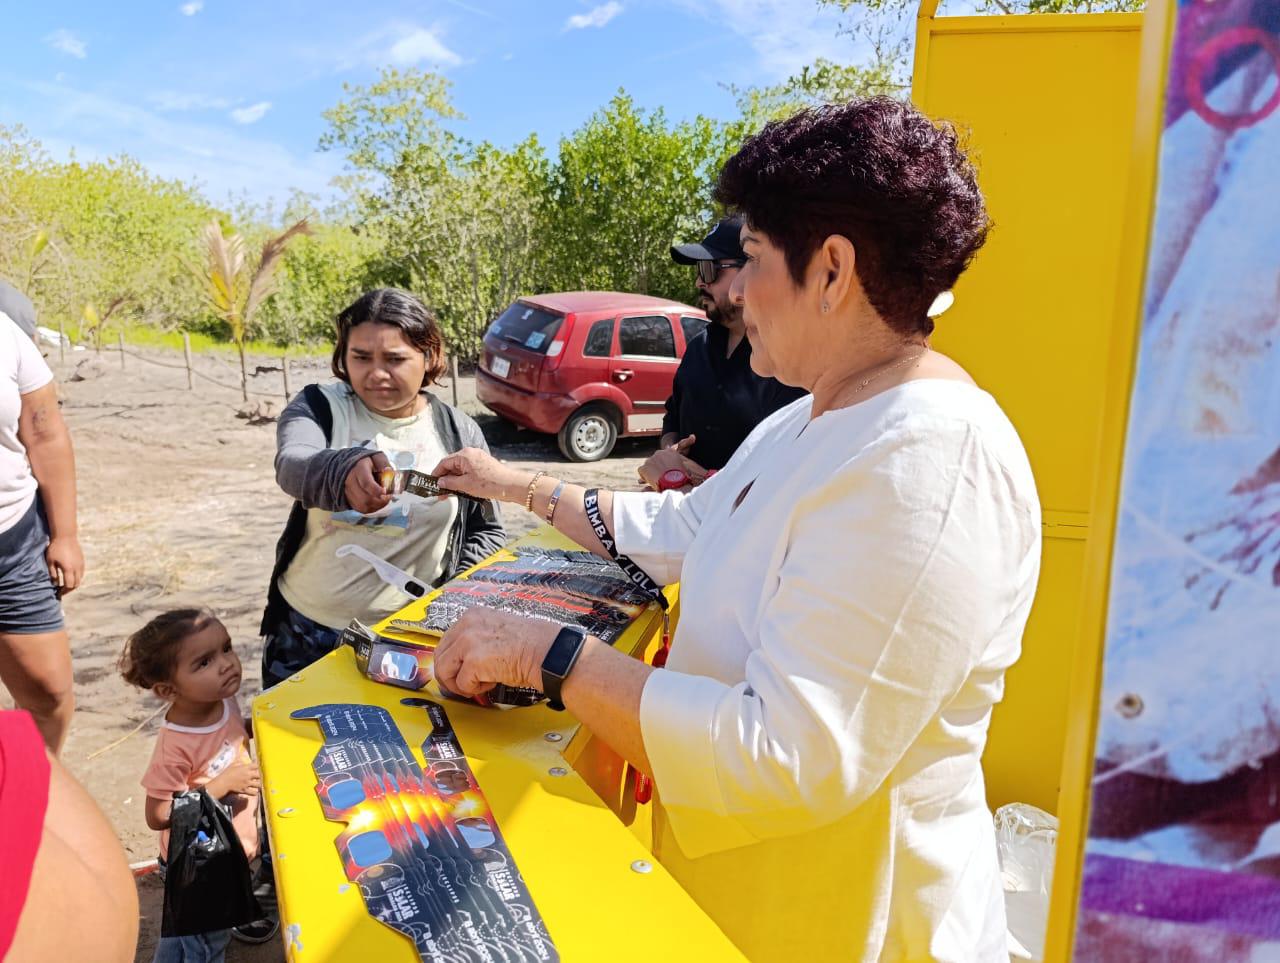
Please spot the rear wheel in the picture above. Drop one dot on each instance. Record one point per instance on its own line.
(589, 434)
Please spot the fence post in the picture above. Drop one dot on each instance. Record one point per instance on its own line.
(62, 339)
(186, 353)
(284, 367)
(453, 377)
(121, 350)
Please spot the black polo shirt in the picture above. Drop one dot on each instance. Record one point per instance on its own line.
(720, 399)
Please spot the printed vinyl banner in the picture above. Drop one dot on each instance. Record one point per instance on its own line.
(1183, 855)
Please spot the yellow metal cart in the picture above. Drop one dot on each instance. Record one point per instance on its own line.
(599, 890)
(1065, 116)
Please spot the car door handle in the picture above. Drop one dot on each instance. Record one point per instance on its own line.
(623, 374)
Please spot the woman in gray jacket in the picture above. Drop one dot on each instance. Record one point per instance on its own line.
(332, 442)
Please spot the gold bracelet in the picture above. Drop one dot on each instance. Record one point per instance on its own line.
(551, 505)
(528, 498)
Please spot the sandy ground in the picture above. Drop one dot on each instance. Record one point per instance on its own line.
(178, 505)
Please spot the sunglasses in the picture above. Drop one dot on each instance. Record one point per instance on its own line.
(709, 270)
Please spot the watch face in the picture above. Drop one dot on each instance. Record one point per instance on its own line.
(563, 650)
(672, 478)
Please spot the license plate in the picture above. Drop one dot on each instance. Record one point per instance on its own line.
(501, 367)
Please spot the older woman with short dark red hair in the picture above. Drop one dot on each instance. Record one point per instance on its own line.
(854, 583)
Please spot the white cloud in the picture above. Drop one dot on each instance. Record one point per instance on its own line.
(811, 32)
(171, 100)
(398, 43)
(471, 8)
(192, 8)
(596, 17)
(222, 160)
(251, 114)
(68, 43)
(420, 45)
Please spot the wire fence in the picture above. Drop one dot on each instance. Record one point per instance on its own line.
(193, 372)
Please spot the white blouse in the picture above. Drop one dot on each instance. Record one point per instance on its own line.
(816, 737)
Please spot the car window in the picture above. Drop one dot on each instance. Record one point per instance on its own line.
(530, 327)
(651, 336)
(599, 343)
(692, 327)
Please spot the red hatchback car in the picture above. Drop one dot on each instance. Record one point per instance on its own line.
(586, 366)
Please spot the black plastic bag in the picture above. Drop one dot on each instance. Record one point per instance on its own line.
(207, 886)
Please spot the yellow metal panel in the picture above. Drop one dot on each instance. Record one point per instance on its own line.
(1068, 23)
(1024, 750)
(1086, 677)
(1048, 102)
(1032, 319)
(573, 852)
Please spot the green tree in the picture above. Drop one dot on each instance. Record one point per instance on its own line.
(321, 274)
(626, 185)
(397, 149)
(23, 253)
(395, 122)
(103, 233)
(480, 238)
(455, 222)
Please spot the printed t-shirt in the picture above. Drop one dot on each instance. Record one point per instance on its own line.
(187, 757)
(411, 533)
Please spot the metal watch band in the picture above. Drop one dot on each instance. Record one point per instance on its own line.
(551, 505)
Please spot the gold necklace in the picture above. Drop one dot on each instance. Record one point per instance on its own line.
(897, 364)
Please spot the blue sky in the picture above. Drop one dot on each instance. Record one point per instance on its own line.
(229, 93)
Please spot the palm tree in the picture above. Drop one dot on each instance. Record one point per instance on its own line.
(95, 323)
(233, 290)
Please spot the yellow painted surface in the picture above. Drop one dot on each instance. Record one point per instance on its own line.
(1048, 102)
(574, 853)
(1086, 678)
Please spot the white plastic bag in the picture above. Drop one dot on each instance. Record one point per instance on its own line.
(1026, 839)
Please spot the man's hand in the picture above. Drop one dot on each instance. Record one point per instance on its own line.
(665, 459)
(363, 489)
(242, 777)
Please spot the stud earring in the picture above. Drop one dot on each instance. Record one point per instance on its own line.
(825, 307)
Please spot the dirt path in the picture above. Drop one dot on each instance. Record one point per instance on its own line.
(178, 505)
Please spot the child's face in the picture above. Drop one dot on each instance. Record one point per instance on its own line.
(207, 668)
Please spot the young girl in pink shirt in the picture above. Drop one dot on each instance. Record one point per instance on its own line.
(185, 657)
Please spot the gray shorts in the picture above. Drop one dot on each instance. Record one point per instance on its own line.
(28, 598)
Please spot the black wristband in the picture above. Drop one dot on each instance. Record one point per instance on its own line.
(559, 662)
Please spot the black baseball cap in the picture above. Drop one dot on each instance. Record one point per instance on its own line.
(724, 243)
(19, 307)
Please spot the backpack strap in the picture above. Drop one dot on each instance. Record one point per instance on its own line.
(319, 406)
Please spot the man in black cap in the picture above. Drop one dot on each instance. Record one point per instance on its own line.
(716, 398)
(19, 307)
